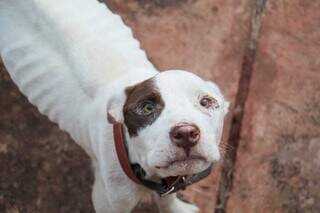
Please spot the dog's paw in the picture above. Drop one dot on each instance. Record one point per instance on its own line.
(180, 206)
(187, 208)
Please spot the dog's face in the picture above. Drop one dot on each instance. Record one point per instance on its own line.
(174, 123)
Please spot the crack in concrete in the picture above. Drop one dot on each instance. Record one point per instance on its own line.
(227, 174)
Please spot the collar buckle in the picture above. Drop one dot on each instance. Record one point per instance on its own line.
(169, 191)
(178, 183)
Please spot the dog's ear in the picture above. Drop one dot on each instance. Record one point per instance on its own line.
(115, 107)
(214, 89)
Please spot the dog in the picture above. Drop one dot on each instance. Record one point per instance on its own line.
(80, 65)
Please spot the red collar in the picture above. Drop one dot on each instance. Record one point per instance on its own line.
(137, 174)
(122, 152)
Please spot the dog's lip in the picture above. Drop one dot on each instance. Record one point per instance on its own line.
(179, 160)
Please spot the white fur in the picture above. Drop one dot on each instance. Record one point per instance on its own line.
(181, 92)
(73, 60)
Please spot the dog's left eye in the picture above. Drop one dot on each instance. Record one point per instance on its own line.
(147, 108)
(208, 102)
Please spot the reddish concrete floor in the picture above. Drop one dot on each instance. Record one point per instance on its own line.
(278, 163)
(43, 170)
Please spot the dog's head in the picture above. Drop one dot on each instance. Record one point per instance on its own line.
(173, 123)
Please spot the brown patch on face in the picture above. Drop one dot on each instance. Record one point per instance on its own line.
(143, 106)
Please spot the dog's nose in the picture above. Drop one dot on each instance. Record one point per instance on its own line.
(185, 135)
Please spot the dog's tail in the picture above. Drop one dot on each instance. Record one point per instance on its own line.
(61, 53)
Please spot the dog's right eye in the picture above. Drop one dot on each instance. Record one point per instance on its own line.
(147, 108)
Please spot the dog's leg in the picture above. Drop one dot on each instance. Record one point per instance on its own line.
(107, 200)
(171, 204)
(99, 195)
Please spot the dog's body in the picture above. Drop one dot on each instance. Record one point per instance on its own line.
(79, 64)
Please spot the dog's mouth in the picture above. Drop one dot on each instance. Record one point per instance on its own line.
(183, 162)
(180, 166)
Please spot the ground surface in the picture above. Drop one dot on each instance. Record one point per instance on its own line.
(264, 54)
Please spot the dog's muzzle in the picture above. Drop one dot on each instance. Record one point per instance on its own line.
(137, 174)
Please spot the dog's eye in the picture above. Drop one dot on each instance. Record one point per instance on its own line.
(147, 108)
(208, 102)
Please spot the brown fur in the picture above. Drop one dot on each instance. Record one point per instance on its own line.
(137, 95)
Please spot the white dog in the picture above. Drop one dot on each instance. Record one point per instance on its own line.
(79, 64)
